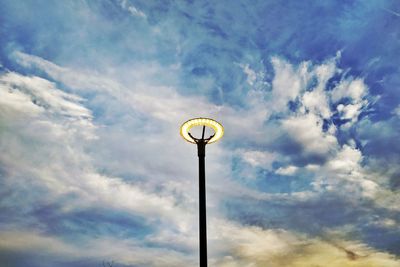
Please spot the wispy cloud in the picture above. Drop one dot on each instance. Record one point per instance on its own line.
(93, 168)
(132, 9)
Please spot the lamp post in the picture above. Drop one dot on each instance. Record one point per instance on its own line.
(201, 152)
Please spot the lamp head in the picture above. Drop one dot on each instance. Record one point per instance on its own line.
(205, 122)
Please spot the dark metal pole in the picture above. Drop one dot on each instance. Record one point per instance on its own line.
(201, 152)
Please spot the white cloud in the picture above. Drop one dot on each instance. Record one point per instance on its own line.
(355, 89)
(35, 93)
(307, 131)
(396, 111)
(35, 242)
(251, 74)
(258, 158)
(317, 103)
(163, 195)
(317, 100)
(49, 153)
(326, 71)
(346, 160)
(74, 170)
(229, 245)
(132, 9)
(160, 102)
(79, 80)
(350, 111)
(254, 246)
(287, 83)
(343, 174)
(385, 223)
(53, 249)
(305, 126)
(290, 83)
(388, 199)
(16, 101)
(289, 170)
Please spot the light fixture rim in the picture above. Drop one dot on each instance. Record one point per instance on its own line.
(217, 127)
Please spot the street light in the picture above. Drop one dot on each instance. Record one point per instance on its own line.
(201, 152)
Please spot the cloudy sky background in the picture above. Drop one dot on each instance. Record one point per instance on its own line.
(93, 169)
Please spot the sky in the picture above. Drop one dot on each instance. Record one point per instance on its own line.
(93, 169)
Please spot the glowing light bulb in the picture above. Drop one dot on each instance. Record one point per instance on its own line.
(216, 126)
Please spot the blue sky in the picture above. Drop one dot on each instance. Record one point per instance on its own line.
(93, 169)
